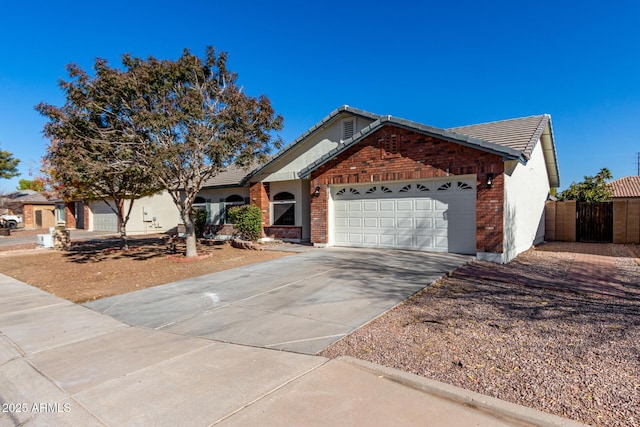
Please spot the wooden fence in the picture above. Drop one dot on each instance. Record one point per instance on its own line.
(567, 222)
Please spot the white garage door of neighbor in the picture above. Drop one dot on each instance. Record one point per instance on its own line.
(437, 215)
(104, 219)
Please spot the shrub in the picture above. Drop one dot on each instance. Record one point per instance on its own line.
(247, 220)
(199, 221)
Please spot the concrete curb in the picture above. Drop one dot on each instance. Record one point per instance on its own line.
(489, 404)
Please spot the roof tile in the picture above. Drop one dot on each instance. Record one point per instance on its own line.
(626, 187)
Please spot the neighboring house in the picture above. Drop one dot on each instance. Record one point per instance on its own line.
(364, 180)
(151, 214)
(625, 188)
(37, 211)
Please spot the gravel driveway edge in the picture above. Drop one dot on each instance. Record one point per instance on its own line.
(497, 407)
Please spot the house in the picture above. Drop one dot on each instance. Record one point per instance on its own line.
(152, 214)
(625, 188)
(149, 215)
(37, 211)
(363, 180)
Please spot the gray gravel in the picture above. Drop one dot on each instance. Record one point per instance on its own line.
(507, 332)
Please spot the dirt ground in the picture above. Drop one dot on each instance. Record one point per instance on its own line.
(98, 269)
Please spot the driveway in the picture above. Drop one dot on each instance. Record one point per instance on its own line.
(302, 303)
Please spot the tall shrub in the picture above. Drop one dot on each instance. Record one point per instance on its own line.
(247, 220)
(200, 221)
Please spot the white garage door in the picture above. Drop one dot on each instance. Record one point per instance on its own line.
(437, 216)
(104, 219)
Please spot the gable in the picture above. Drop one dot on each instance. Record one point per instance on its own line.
(320, 139)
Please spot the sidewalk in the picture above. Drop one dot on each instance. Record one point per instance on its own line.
(63, 364)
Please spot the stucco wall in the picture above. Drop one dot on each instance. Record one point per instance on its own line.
(526, 192)
(311, 150)
(160, 207)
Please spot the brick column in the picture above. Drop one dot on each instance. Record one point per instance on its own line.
(490, 214)
(70, 214)
(259, 195)
(319, 212)
(28, 216)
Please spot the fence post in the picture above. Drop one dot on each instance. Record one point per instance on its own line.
(550, 221)
(633, 221)
(566, 221)
(619, 221)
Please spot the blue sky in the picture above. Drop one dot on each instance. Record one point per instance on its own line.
(443, 65)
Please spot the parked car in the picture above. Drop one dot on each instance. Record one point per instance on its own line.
(10, 221)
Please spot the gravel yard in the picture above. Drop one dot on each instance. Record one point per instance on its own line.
(542, 331)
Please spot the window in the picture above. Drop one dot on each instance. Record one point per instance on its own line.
(284, 209)
(61, 213)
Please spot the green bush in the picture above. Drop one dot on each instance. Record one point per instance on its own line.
(199, 221)
(247, 220)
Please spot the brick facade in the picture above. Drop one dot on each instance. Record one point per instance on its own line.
(259, 195)
(287, 232)
(28, 216)
(393, 154)
(70, 214)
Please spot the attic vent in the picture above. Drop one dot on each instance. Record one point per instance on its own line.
(348, 128)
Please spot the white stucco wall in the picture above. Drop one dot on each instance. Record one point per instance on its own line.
(300, 190)
(526, 191)
(316, 145)
(160, 207)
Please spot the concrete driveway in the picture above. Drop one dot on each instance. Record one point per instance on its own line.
(301, 303)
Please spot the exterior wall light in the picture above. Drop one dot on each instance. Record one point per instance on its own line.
(490, 180)
(316, 191)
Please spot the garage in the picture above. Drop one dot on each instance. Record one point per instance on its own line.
(104, 219)
(427, 215)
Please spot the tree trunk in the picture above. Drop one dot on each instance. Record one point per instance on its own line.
(190, 235)
(122, 226)
(124, 242)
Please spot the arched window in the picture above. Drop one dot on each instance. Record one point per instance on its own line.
(199, 200)
(234, 199)
(284, 209)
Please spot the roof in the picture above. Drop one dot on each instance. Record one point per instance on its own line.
(232, 176)
(520, 134)
(626, 187)
(511, 139)
(28, 196)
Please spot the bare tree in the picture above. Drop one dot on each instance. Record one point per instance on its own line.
(95, 148)
(195, 121)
